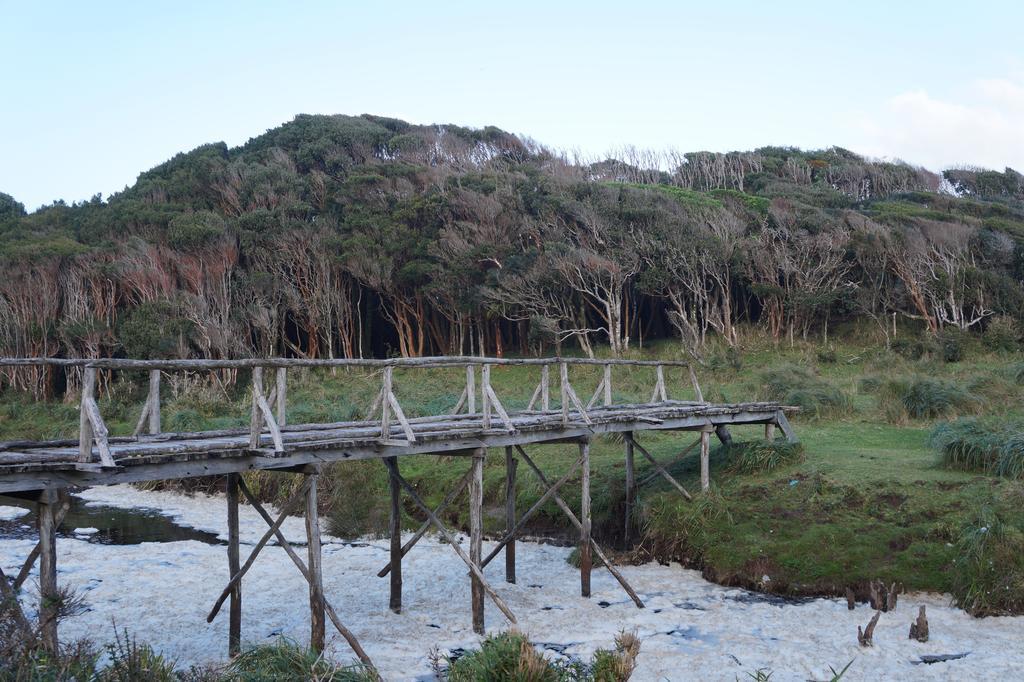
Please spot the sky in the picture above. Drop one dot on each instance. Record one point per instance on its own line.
(95, 93)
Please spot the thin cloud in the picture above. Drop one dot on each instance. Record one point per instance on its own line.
(983, 128)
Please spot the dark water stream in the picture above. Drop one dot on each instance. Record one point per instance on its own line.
(114, 525)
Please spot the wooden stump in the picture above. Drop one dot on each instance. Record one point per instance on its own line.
(919, 628)
(883, 598)
(235, 614)
(864, 637)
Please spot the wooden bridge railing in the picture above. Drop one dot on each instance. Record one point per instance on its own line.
(269, 413)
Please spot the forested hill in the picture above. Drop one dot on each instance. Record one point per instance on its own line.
(346, 236)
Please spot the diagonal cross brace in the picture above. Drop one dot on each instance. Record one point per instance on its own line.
(576, 522)
(477, 572)
(301, 565)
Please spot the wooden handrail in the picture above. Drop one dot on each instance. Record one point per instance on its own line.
(248, 363)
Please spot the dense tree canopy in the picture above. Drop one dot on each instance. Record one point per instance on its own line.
(337, 236)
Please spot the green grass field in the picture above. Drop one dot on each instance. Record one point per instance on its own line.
(867, 500)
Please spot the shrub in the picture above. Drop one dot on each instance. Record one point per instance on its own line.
(981, 445)
(913, 348)
(925, 398)
(952, 344)
(617, 665)
(988, 572)
(1002, 334)
(286, 660)
(759, 456)
(869, 384)
(827, 356)
(798, 386)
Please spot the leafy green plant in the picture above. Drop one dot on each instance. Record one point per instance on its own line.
(134, 662)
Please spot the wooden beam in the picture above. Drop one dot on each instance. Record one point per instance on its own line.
(769, 432)
(500, 409)
(705, 460)
(627, 530)
(281, 396)
(317, 620)
(510, 513)
(400, 415)
(453, 543)
(470, 389)
(49, 597)
(85, 433)
(30, 560)
(485, 395)
(607, 385)
(696, 385)
(255, 421)
(234, 563)
(545, 387)
(585, 559)
(395, 524)
(293, 555)
(476, 535)
(676, 460)
(385, 406)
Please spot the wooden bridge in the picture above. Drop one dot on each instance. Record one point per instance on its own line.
(43, 470)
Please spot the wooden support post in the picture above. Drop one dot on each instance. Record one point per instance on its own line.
(395, 601)
(476, 537)
(235, 624)
(627, 530)
(607, 385)
(696, 385)
(281, 396)
(85, 431)
(545, 387)
(769, 431)
(470, 390)
(48, 594)
(585, 559)
(510, 512)
(705, 459)
(485, 395)
(385, 412)
(317, 620)
(563, 383)
(154, 402)
(256, 416)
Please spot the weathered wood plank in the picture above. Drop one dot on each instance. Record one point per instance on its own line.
(510, 513)
(476, 537)
(395, 527)
(585, 520)
(317, 619)
(234, 563)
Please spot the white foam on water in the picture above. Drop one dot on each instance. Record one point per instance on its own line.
(690, 630)
(12, 513)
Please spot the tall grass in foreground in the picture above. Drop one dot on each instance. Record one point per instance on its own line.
(510, 657)
(983, 445)
(988, 575)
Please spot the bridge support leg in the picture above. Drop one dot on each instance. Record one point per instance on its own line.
(317, 619)
(585, 521)
(235, 616)
(627, 530)
(476, 537)
(705, 459)
(511, 463)
(395, 602)
(49, 598)
(769, 431)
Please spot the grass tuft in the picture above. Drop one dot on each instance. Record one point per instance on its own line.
(988, 572)
(987, 446)
(799, 386)
(925, 398)
(759, 456)
(286, 660)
